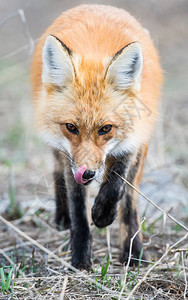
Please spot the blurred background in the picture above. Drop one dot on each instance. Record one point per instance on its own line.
(25, 163)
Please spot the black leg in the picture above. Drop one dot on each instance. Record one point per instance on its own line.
(104, 210)
(129, 219)
(130, 223)
(80, 233)
(62, 218)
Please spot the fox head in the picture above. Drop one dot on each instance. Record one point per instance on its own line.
(87, 104)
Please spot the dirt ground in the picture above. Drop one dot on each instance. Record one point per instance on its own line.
(26, 169)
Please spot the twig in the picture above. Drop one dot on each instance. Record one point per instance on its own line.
(26, 29)
(48, 240)
(64, 253)
(150, 201)
(35, 278)
(150, 269)
(185, 277)
(8, 18)
(6, 256)
(129, 259)
(179, 250)
(101, 250)
(108, 243)
(64, 287)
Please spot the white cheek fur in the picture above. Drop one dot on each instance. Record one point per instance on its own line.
(116, 147)
(61, 144)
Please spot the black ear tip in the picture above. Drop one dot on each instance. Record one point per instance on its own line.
(133, 44)
(64, 46)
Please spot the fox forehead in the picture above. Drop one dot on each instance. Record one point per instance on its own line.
(89, 104)
(90, 88)
(86, 100)
(89, 109)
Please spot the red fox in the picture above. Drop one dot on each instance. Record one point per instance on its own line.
(96, 82)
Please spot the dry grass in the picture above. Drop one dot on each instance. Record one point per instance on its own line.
(39, 257)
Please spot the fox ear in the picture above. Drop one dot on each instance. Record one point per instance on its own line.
(125, 69)
(57, 64)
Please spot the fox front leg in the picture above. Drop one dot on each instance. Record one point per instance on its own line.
(80, 232)
(62, 217)
(104, 210)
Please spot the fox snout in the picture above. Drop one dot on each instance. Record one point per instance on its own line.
(83, 176)
(87, 161)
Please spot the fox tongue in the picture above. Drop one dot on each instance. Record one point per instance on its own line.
(78, 176)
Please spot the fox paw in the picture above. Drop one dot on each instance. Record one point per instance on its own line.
(103, 214)
(84, 264)
(135, 255)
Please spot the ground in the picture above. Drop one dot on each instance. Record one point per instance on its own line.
(28, 271)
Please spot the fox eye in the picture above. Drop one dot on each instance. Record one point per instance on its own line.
(105, 129)
(70, 127)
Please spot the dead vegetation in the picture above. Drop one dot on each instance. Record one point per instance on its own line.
(35, 263)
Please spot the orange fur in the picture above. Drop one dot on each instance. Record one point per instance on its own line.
(86, 81)
(118, 28)
(95, 33)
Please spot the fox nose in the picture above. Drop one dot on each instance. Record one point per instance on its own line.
(88, 174)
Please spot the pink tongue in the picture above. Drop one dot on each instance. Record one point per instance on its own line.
(79, 174)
